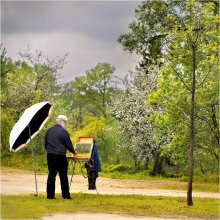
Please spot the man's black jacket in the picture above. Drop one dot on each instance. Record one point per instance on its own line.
(57, 141)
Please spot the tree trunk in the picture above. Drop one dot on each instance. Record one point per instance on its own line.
(158, 165)
(192, 127)
(201, 168)
(215, 124)
(136, 163)
(177, 170)
(117, 160)
(146, 164)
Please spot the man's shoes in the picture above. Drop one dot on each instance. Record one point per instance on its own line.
(68, 197)
(50, 198)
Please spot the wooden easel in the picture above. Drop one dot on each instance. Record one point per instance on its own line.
(81, 156)
(72, 161)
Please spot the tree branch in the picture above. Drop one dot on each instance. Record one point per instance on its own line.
(181, 79)
(203, 81)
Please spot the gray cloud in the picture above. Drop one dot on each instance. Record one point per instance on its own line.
(87, 31)
(100, 19)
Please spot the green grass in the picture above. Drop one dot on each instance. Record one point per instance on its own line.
(24, 161)
(30, 207)
(120, 171)
(207, 187)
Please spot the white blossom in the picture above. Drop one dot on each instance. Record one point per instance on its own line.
(129, 107)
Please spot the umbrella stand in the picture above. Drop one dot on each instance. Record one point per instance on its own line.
(32, 151)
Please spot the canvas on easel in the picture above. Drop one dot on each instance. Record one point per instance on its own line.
(83, 148)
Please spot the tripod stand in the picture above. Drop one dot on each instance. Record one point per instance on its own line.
(73, 161)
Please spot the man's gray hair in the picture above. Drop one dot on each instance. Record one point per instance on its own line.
(62, 117)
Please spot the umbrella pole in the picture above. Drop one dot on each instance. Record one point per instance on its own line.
(32, 151)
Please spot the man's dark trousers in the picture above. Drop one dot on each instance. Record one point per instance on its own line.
(57, 163)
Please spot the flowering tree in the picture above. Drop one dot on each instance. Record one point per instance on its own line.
(129, 107)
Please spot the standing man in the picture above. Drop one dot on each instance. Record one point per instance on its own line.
(57, 141)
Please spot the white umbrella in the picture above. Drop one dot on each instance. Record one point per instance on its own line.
(28, 126)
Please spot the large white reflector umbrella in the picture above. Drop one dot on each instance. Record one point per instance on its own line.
(28, 126)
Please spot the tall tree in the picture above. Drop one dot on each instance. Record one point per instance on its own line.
(93, 90)
(7, 65)
(45, 72)
(145, 36)
(191, 52)
(186, 33)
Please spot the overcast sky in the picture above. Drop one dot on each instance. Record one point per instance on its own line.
(86, 30)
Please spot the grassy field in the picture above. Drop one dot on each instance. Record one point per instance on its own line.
(30, 207)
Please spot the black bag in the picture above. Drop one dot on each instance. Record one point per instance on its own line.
(91, 173)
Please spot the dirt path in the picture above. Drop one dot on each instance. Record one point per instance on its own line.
(101, 216)
(14, 182)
